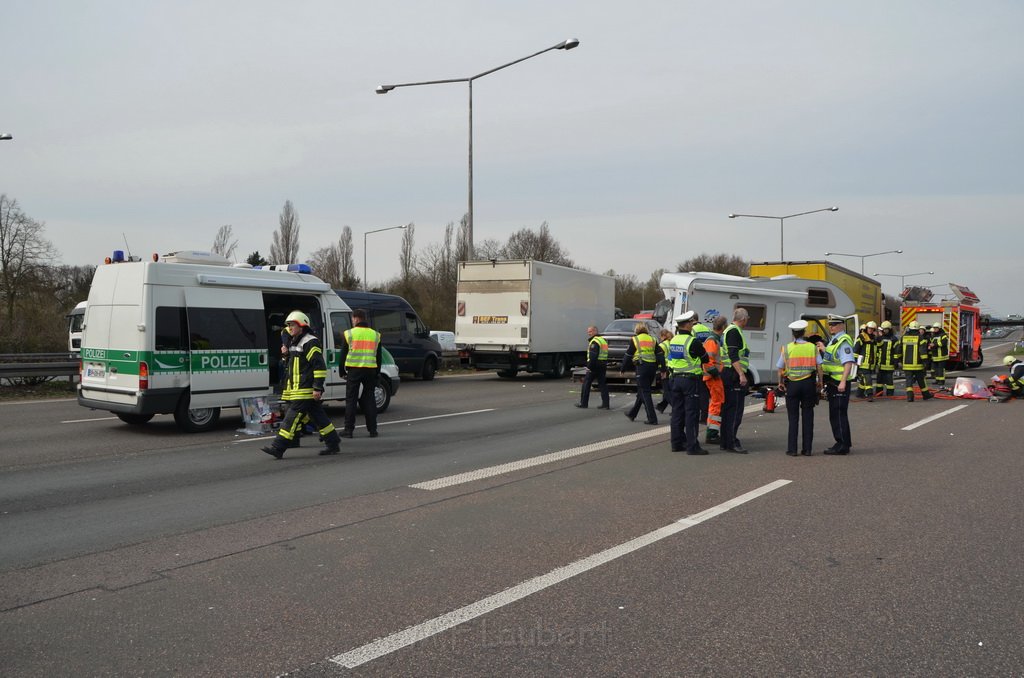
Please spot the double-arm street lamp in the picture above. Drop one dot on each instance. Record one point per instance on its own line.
(903, 277)
(379, 230)
(384, 89)
(782, 224)
(862, 256)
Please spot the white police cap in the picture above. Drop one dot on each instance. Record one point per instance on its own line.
(687, 317)
(834, 319)
(798, 325)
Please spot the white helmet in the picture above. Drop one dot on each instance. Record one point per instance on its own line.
(871, 324)
(298, 317)
(1009, 360)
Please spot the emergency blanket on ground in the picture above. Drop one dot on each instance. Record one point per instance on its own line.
(970, 387)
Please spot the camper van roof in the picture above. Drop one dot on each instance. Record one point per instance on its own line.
(683, 280)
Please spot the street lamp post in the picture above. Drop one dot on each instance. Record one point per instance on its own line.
(862, 256)
(6, 137)
(782, 224)
(903, 277)
(379, 230)
(384, 89)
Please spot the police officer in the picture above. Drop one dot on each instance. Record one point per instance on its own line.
(597, 368)
(303, 389)
(914, 354)
(888, 352)
(649, 358)
(686, 355)
(865, 350)
(837, 363)
(938, 348)
(735, 380)
(800, 374)
(361, 356)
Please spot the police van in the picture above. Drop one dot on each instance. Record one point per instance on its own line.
(188, 334)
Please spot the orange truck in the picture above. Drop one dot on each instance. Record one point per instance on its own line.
(959, 317)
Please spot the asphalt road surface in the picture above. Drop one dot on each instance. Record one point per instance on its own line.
(494, 529)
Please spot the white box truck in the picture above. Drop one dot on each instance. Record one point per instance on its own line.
(528, 316)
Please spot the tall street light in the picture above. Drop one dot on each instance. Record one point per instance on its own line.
(782, 224)
(384, 89)
(862, 256)
(379, 230)
(903, 277)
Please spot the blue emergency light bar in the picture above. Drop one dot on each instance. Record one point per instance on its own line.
(292, 268)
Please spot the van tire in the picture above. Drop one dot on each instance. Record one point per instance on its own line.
(197, 420)
(429, 369)
(134, 419)
(381, 394)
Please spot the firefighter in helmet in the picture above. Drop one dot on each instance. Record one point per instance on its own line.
(914, 354)
(939, 350)
(887, 348)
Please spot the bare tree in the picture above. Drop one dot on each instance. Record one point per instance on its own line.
(24, 256)
(540, 246)
(462, 241)
(223, 243)
(326, 265)
(487, 249)
(716, 263)
(407, 257)
(346, 251)
(285, 248)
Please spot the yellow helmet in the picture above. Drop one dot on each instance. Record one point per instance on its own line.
(871, 324)
(297, 317)
(886, 325)
(1009, 360)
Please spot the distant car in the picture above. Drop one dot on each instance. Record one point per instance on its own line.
(619, 334)
(445, 339)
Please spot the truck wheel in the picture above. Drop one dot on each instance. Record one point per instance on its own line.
(560, 369)
(134, 419)
(429, 369)
(195, 420)
(978, 362)
(507, 374)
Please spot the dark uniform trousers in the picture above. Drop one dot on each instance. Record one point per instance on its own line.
(838, 413)
(600, 373)
(645, 373)
(732, 408)
(684, 395)
(939, 372)
(367, 377)
(801, 397)
(299, 413)
(885, 383)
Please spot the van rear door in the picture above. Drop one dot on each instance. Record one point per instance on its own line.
(227, 345)
(111, 353)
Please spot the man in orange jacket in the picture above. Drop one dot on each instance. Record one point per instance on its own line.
(713, 375)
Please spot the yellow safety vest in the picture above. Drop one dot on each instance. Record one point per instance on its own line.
(801, 360)
(644, 344)
(831, 365)
(744, 351)
(362, 347)
(602, 348)
(679, 359)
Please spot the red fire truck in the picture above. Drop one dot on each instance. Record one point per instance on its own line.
(960, 317)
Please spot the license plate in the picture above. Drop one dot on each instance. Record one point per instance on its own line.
(95, 372)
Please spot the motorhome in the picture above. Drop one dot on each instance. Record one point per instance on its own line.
(189, 334)
(772, 303)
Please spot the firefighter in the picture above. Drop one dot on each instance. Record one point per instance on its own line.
(665, 336)
(647, 355)
(303, 389)
(597, 368)
(913, 353)
(686, 355)
(888, 352)
(939, 351)
(713, 380)
(866, 352)
(837, 363)
(1016, 377)
(736, 380)
(800, 380)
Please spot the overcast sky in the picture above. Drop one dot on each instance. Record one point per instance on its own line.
(163, 121)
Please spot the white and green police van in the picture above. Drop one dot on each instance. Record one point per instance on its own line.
(189, 333)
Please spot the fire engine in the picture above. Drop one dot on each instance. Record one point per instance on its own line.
(960, 317)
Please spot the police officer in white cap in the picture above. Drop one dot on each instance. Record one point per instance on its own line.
(800, 374)
(686, 356)
(837, 363)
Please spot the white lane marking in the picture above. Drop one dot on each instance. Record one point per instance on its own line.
(479, 474)
(413, 634)
(384, 423)
(80, 421)
(928, 420)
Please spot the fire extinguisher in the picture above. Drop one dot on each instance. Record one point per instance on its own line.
(769, 401)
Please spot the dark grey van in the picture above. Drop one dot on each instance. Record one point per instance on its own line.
(401, 331)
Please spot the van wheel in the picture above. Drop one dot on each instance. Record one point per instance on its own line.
(429, 369)
(195, 420)
(135, 419)
(381, 395)
(560, 369)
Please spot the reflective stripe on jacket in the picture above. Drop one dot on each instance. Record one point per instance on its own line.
(602, 347)
(831, 365)
(306, 369)
(744, 351)
(940, 347)
(362, 347)
(887, 352)
(801, 360)
(914, 350)
(679, 359)
(644, 344)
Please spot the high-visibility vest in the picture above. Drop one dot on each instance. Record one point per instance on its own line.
(940, 347)
(362, 347)
(831, 365)
(887, 353)
(602, 347)
(664, 347)
(645, 345)
(744, 351)
(712, 347)
(914, 350)
(801, 360)
(679, 359)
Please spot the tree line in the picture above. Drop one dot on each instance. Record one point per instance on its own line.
(36, 294)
